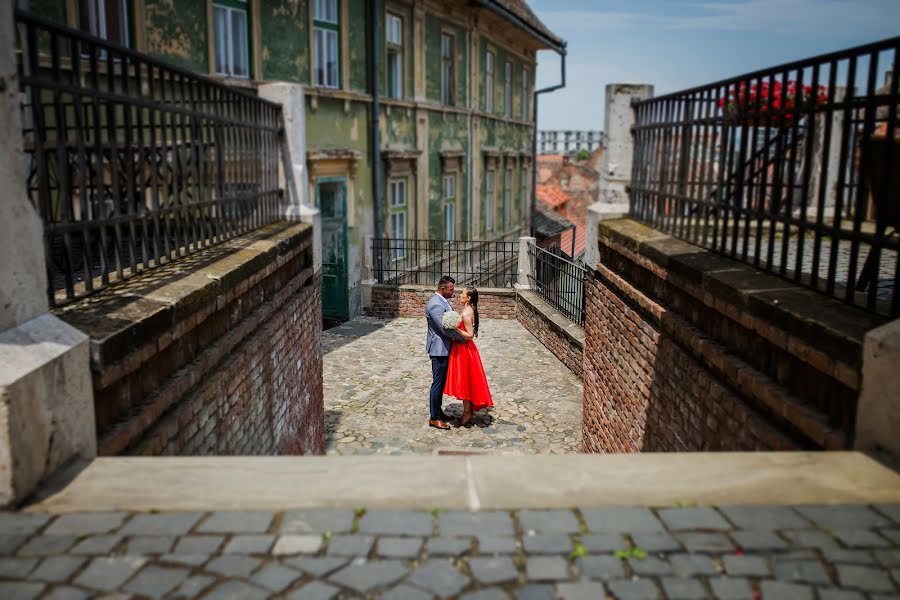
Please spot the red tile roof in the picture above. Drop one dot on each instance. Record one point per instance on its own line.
(552, 196)
(565, 240)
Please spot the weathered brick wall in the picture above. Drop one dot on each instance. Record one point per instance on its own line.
(562, 337)
(223, 360)
(686, 351)
(409, 301)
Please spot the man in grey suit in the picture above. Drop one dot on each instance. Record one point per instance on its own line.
(437, 344)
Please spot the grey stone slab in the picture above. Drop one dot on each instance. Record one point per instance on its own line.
(86, 523)
(315, 590)
(688, 565)
(803, 571)
(745, 566)
(838, 594)
(275, 577)
(487, 523)
(498, 569)
(766, 518)
(535, 591)
(439, 577)
(892, 511)
(249, 544)
(758, 540)
(448, 546)
(150, 544)
(97, 544)
(199, 544)
(318, 567)
(399, 547)
(317, 521)
(156, 582)
(655, 541)
(110, 572)
(233, 565)
(20, 590)
(46, 545)
(600, 567)
(350, 545)
(844, 516)
(700, 517)
(66, 592)
(695, 541)
(404, 592)
(860, 538)
(236, 590)
(11, 568)
(603, 542)
(380, 522)
(677, 588)
(497, 545)
(17, 524)
(620, 519)
(193, 560)
(302, 543)
(649, 566)
(56, 568)
(547, 543)
(10, 543)
(808, 538)
(869, 579)
(486, 594)
(161, 523)
(549, 521)
(637, 589)
(547, 568)
(731, 588)
(887, 558)
(778, 590)
(370, 576)
(852, 557)
(193, 586)
(237, 522)
(582, 590)
(891, 534)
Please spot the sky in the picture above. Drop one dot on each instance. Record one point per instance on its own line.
(679, 44)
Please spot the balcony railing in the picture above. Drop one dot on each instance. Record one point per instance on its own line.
(423, 262)
(559, 281)
(794, 169)
(134, 162)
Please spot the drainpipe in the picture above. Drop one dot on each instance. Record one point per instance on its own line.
(534, 133)
(373, 23)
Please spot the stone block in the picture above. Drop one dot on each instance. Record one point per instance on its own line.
(494, 570)
(371, 576)
(440, 578)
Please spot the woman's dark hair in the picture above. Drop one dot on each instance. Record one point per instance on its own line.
(473, 300)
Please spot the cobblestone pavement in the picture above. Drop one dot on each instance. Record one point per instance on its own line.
(837, 552)
(377, 377)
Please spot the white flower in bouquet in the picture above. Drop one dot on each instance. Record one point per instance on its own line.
(451, 320)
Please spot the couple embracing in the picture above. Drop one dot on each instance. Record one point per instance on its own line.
(456, 368)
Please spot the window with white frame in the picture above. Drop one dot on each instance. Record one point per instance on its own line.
(394, 38)
(489, 82)
(448, 69)
(107, 19)
(525, 93)
(231, 35)
(450, 206)
(489, 201)
(507, 89)
(398, 217)
(507, 197)
(326, 34)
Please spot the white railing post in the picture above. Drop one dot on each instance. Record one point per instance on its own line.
(525, 274)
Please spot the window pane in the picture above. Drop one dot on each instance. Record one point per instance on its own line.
(395, 74)
(319, 58)
(325, 10)
(332, 39)
(394, 27)
(220, 19)
(114, 20)
(239, 43)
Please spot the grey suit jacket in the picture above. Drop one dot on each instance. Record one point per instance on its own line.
(437, 340)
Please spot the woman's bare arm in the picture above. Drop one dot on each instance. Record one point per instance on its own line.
(468, 327)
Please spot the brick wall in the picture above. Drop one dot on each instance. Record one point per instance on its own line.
(687, 351)
(562, 337)
(410, 300)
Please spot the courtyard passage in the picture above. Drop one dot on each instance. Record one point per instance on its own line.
(377, 377)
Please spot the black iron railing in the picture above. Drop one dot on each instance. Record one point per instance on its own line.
(559, 281)
(134, 162)
(423, 262)
(794, 169)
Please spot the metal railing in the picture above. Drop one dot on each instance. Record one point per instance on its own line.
(794, 169)
(423, 262)
(559, 281)
(134, 162)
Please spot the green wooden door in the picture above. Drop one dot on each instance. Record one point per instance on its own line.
(331, 196)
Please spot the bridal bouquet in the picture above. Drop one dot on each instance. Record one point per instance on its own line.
(451, 320)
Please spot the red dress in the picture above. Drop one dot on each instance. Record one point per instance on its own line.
(465, 376)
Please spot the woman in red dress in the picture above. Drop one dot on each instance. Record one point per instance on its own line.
(466, 380)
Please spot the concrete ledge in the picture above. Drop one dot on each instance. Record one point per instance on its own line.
(878, 411)
(472, 483)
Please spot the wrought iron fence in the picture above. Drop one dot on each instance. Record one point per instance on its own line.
(559, 281)
(134, 162)
(794, 169)
(423, 262)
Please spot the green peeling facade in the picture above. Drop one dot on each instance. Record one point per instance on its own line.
(423, 138)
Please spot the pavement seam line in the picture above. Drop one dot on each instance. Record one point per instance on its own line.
(474, 502)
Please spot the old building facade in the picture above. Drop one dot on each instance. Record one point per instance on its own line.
(453, 95)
